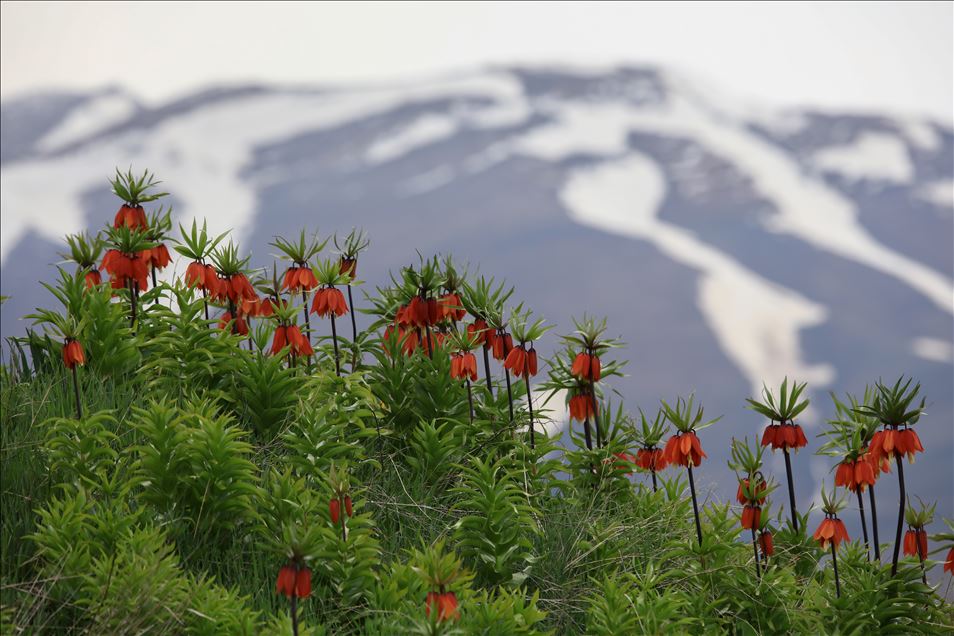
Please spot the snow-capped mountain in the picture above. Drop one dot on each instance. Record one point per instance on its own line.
(728, 245)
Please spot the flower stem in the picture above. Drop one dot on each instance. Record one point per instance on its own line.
(920, 554)
(334, 339)
(755, 550)
(901, 503)
(470, 400)
(586, 431)
(205, 303)
(304, 299)
(526, 377)
(695, 504)
(490, 386)
(354, 324)
(864, 525)
(874, 522)
(596, 418)
(791, 487)
(294, 613)
(76, 391)
(653, 473)
(834, 563)
(509, 394)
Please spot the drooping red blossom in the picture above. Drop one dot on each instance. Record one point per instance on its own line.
(652, 459)
(445, 604)
(477, 330)
(125, 268)
(234, 288)
(521, 362)
(450, 307)
(751, 517)
(329, 300)
(349, 509)
(912, 538)
(581, 406)
(132, 217)
(586, 367)
(348, 266)
(334, 508)
(781, 436)
(299, 279)
(624, 461)
(909, 443)
(294, 581)
(855, 474)
(766, 543)
(290, 335)
(684, 449)
(241, 327)
(157, 256)
(761, 490)
(73, 353)
(464, 365)
(501, 343)
(831, 531)
(949, 562)
(93, 278)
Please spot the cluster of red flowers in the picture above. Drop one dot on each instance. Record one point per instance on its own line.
(522, 362)
(831, 531)
(294, 581)
(684, 449)
(915, 542)
(586, 367)
(290, 335)
(444, 603)
(782, 436)
(126, 268)
(582, 405)
(73, 353)
(463, 366)
(653, 459)
(329, 300)
(752, 507)
(133, 217)
(855, 474)
(334, 508)
(299, 279)
(887, 442)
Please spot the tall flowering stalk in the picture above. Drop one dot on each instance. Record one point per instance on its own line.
(916, 538)
(683, 448)
(233, 287)
(650, 456)
(197, 246)
(522, 359)
(294, 582)
(895, 408)
(848, 436)
(329, 301)
(288, 338)
(298, 277)
(831, 531)
(588, 369)
(442, 574)
(86, 251)
(158, 257)
(752, 492)
(782, 432)
(463, 362)
(349, 250)
(478, 299)
(501, 344)
(128, 260)
(124, 263)
(70, 326)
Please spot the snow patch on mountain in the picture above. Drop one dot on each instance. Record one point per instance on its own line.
(755, 321)
(424, 130)
(876, 156)
(92, 116)
(200, 154)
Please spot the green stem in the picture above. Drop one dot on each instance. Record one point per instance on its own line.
(695, 504)
(902, 500)
(791, 487)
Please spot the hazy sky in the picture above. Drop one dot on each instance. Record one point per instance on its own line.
(877, 56)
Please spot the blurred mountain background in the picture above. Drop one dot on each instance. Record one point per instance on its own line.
(727, 246)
